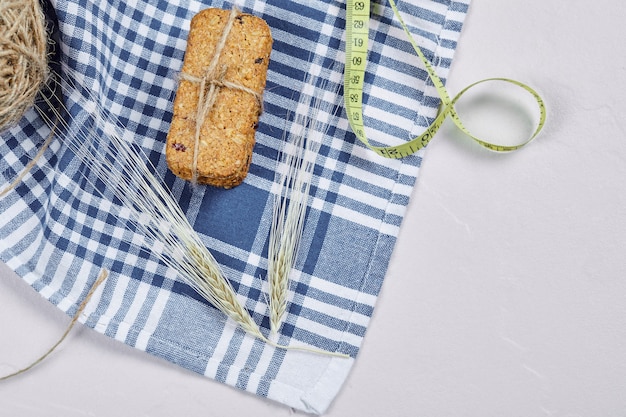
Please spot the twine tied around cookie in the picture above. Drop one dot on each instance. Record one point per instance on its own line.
(210, 84)
(23, 58)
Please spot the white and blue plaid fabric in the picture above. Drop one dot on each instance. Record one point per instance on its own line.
(58, 235)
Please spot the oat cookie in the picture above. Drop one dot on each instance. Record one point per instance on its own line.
(237, 46)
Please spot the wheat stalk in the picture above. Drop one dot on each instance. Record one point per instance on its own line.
(293, 182)
(152, 211)
(127, 173)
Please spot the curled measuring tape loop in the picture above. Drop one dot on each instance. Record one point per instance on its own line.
(357, 34)
(492, 146)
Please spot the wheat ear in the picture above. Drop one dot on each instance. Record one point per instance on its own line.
(127, 173)
(293, 183)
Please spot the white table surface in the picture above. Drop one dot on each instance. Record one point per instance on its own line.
(517, 305)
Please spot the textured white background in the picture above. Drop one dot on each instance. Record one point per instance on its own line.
(518, 304)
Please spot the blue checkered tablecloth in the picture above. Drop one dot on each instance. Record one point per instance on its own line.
(57, 235)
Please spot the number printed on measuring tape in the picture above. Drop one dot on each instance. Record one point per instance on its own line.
(357, 34)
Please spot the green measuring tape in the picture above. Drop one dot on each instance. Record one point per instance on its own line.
(357, 33)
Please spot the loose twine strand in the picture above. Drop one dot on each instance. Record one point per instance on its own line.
(23, 73)
(103, 275)
(30, 165)
(210, 85)
(23, 58)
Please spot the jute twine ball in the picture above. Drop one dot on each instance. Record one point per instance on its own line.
(23, 58)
